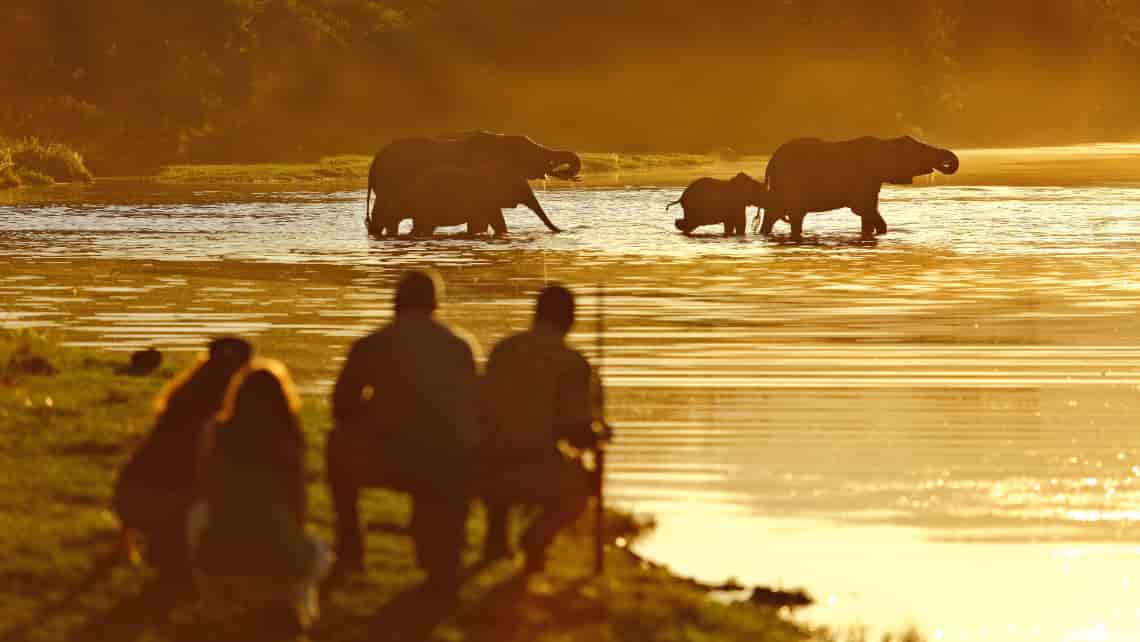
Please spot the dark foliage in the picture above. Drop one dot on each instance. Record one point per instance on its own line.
(132, 83)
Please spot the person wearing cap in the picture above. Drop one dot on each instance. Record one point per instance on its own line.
(404, 408)
(536, 417)
(156, 486)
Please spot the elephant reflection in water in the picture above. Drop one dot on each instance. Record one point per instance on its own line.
(811, 175)
(474, 196)
(405, 164)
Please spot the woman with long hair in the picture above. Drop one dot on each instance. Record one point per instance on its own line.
(248, 529)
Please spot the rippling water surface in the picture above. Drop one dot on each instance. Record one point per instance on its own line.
(937, 427)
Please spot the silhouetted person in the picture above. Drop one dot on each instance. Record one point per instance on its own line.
(155, 487)
(405, 414)
(536, 393)
(248, 527)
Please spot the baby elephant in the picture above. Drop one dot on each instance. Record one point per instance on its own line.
(707, 201)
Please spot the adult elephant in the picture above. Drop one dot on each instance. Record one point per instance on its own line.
(402, 162)
(444, 196)
(812, 175)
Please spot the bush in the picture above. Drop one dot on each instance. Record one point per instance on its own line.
(32, 177)
(8, 177)
(56, 161)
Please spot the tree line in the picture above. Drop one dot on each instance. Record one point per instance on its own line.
(134, 83)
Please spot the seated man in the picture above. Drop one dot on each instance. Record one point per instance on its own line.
(404, 407)
(536, 399)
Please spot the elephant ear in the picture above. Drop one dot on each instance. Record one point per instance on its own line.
(896, 161)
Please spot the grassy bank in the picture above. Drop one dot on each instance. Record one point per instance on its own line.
(598, 169)
(67, 421)
(1110, 164)
(330, 168)
(30, 162)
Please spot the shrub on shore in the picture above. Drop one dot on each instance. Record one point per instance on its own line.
(8, 176)
(30, 162)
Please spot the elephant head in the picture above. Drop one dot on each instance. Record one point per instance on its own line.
(901, 159)
(523, 155)
(748, 190)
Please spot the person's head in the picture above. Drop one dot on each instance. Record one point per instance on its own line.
(230, 351)
(262, 390)
(418, 291)
(260, 410)
(198, 391)
(555, 307)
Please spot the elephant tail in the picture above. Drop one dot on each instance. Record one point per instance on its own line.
(672, 204)
(368, 199)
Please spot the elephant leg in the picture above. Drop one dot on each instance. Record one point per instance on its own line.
(869, 210)
(740, 221)
(386, 217)
(872, 223)
(770, 218)
(376, 218)
(477, 224)
(880, 224)
(498, 223)
(390, 227)
(868, 226)
(796, 219)
(685, 225)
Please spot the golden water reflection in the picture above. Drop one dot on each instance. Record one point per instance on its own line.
(936, 427)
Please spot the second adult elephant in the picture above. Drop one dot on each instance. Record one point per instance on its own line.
(812, 175)
(446, 196)
(403, 162)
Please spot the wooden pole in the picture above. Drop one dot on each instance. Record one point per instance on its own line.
(601, 431)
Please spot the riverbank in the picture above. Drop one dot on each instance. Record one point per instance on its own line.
(31, 162)
(69, 421)
(598, 169)
(1062, 166)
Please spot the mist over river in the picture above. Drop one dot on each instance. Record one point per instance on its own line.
(937, 427)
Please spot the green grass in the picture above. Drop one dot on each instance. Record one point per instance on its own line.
(63, 436)
(602, 163)
(30, 162)
(329, 168)
(597, 169)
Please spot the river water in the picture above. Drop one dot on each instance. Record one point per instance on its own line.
(935, 428)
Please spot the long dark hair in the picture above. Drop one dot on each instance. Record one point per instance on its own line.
(258, 426)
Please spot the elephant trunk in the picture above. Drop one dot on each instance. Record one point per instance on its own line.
(535, 207)
(947, 162)
(564, 165)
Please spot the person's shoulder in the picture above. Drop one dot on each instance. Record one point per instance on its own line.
(512, 343)
(372, 339)
(575, 359)
(378, 333)
(461, 338)
(514, 339)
